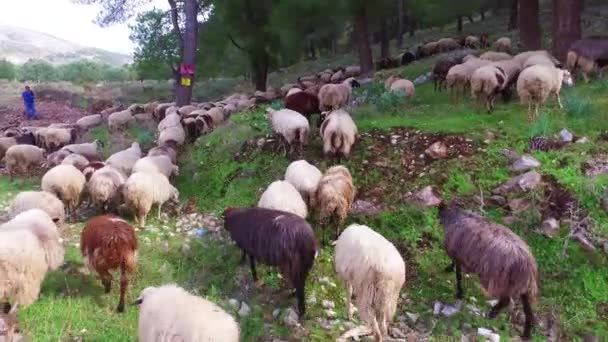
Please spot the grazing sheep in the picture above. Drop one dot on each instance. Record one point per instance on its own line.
(407, 58)
(352, 71)
(187, 109)
(57, 157)
(169, 149)
(282, 195)
(109, 111)
(20, 139)
(495, 56)
(339, 133)
(120, 120)
(170, 120)
(142, 190)
(30, 246)
(537, 82)
(136, 108)
(91, 151)
(150, 106)
(125, 159)
(91, 168)
(397, 84)
(305, 178)
(487, 82)
(87, 122)
(42, 200)
(472, 42)
(588, 54)
(104, 187)
(373, 271)
(157, 164)
(66, 182)
(302, 102)
(80, 162)
(197, 126)
(502, 260)
(275, 238)
(459, 76)
(337, 76)
(291, 127)
(386, 63)
(540, 59)
(440, 71)
(447, 44)
(8, 322)
(335, 96)
(162, 317)
(335, 195)
(22, 158)
(217, 115)
(160, 111)
(427, 49)
(176, 133)
(503, 45)
(52, 139)
(521, 58)
(108, 243)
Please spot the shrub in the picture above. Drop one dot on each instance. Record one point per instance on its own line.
(576, 106)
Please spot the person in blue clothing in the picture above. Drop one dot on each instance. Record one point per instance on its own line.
(28, 101)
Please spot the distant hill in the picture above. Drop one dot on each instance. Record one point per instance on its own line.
(19, 44)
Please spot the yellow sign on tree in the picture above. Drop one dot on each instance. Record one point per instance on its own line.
(186, 81)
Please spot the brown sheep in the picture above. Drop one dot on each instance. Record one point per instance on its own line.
(334, 197)
(107, 243)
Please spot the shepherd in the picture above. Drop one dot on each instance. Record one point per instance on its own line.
(28, 101)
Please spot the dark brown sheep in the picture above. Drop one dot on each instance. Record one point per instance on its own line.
(107, 243)
(484, 40)
(588, 54)
(407, 58)
(440, 71)
(502, 260)
(386, 63)
(275, 238)
(303, 102)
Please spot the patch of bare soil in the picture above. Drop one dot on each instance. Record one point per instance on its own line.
(12, 114)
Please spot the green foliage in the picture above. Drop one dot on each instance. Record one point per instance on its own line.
(38, 70)
(8, 71)
(576, 106)
(80, 72)
(542, 126)
(391, 102)
(143, 136)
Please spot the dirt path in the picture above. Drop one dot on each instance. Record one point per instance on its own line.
(11, 113)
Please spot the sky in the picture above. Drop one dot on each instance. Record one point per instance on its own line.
(69, 21)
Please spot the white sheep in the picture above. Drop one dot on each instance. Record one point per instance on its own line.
(125, 159)
(5, 143)
(495, 56)
(335, 96)
(66, 182)
(352, 71)
(162, 317)
(487, 82)
(459, 76)
(57, 157)
(291, 127)
(503, 44)
(42, 200)
(79, 161)
(22, 158)
(537, 82)
(87, 122)
(104, 187)
(187, 109)
(91, 151)
(156, 164)
(170, 120)
(397, 84)
(176, 133)
(120, 120)
(142, 190)
(304, 177)
(53, 138)
(521, 58)
(373, 271)
(540, 59)
(335, 196)
(282, 195)
(339, 133)
(217, 115)
(30, 246)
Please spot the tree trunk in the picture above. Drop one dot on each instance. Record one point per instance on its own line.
(260, 71)
(566, 25)
(365, 52)
(529, 28)
(190, 40)
(482, 11)
(459, 24)
(384, 39)
(412, 25)
(513, 15)
(400, 24)
(313, 52)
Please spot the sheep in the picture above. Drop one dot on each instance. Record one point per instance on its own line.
(66, 182)
(156, 164)
(397, 84)
(176, 133)
(352, 71)
(197, 126)
(386, 63)
(459, 76)
(162, 317)
(374, 271)
(87, 122)
(187, 109)
(282, 195)
(502, 260)
(18, 139)
(120, 120)
(23, 157)
(540, 59)
(447, 44)
(170, 120)
(503, 44)
(305, 178)
(80, 162)
(8, 322)
(335, 195)
(30, 246)
(495, 56)
(91, 168)
(105, 187)
(334, 96)
(108, 243)
(160, 111)
(57, 157)
(521, 58)
(587, 54)
(142, 190)
(91, 151)
(150, 106)
(488, 81)
(125, 159)
(291, 127)
(440, 71)
(427, 49)
(53, 139)
(537, 82)
(337, 76)
(169, 149)
(136, 108)
(339, 133)
(43, 200)
(109, 111)
(302, 102)
(407, 58)
(472, 42)
(275, 238)
(217, 114)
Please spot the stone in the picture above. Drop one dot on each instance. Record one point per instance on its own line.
(276, 313)
(584, 242)
(427, 197)
(582, 140)
(451, 310)
(328, 304)
(291, 317)
(245, 310)
(522, 183)
(524, 163)
(312, 299)
(412, 317)
(234, 303)
(511, 155)
(498, 200)
(550, 227)
(519, 205)
(566, 135)
(437, 150)
(396, 333)
(437, 306)
(467, 327)
(330, 313)
(488, 334)
(361, 207)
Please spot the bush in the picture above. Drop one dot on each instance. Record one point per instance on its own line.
(541, 127)
(576, 106)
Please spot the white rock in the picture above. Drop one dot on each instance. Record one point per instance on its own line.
(582, 140)
(550, 227)
(330, 313)
(245, 310)
(291, 317)
(488, 334)
(276, 313)
(234, 303)
(565, 135)
(412, 317)
(525, 163)
(328, 304)
(437, 306)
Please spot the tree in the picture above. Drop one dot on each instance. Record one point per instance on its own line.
(8, 71)
(366, 61)
(514, 6)
(80, 72)
(566, 25)
(38, 70)
(529, 28)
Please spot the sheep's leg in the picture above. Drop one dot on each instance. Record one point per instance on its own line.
(559, 100)
(160, 205)
(530, 115)
(349, 298)
(300, 293)
(106, 280)
(124, 284)
(504, 301)
(529, 317)
(252, 265)
(459, 291)
(376, 331)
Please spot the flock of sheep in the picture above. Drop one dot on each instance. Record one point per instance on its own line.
(276, 231)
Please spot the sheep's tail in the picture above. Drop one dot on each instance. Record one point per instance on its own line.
(337, 140)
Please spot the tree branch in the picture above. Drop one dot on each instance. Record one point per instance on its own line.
(235, 43)
(175, 22)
